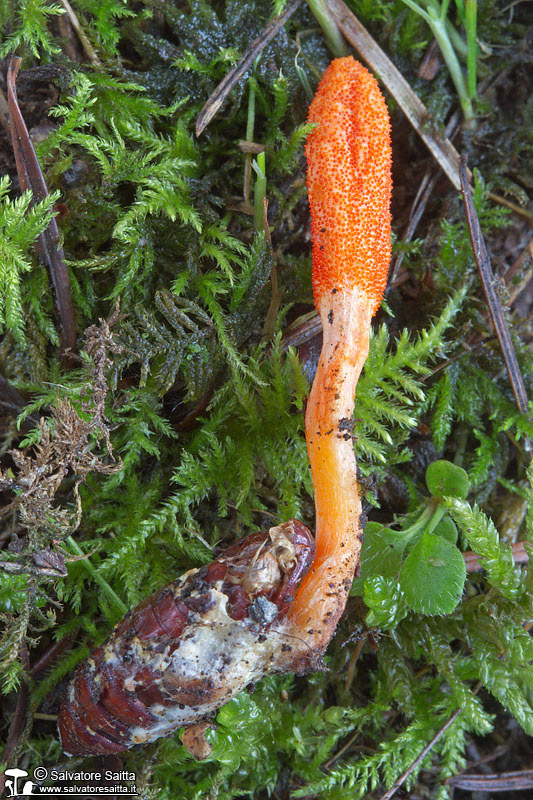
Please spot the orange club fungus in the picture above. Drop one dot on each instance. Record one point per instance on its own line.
(269, 603)
(349, 185)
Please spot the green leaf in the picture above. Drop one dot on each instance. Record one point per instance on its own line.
(433, 576)
(382, 552)
(445, 479)
(447, 529)
(29, 28)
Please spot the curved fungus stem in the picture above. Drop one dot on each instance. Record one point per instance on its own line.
(349, 183)
(321, 598)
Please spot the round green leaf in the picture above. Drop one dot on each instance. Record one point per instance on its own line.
(382, 552)
(447, 529)
(433, 576)
(373, 527)
(445, 479)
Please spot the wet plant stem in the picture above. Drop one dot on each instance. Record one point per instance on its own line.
(429, 519)
(259, 190)
(435, 17)
(302, 74)
(250, 122)
(335, 39)
(93, 572)
(471, 45)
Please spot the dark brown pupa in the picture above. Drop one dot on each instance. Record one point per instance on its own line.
(190, 647)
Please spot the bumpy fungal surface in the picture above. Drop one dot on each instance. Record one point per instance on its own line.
(349, 182)
(349, 185)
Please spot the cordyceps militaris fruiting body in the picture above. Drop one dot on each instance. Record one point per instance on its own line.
(270, 603)
(349, 186)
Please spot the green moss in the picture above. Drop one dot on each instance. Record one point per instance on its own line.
(206, 415)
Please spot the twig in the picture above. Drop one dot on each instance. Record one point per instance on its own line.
(403, 777)
(478, 761)
(12, 403)
(523, 212)
(47, 245)
(341, 752)
(351, 666)
(440, 147)
(487, 280)
(524, 265)
(431, 62)
(52, 653)
(302, 330)
(469, 346)
(520, 556)
(215, 101)
(504, 782)
(521, 263)
(250, 147)
(4, 113)
(18, 721)
(425, 190)
(86, 44)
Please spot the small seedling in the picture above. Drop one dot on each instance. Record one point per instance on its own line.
(419, 567)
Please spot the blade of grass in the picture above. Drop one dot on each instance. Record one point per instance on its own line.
(487, 279)
(47, 245)
(471, 44)
(93, 572)
(259, 167)
(334, 38)
(249, 138)
(435, 17)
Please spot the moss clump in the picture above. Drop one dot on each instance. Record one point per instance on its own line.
(203, 414)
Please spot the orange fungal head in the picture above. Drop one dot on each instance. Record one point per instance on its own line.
(349, 182)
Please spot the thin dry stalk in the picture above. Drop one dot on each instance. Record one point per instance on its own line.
(18, 722)
(82, 36)
(425, 191)
(487, 279)
(215, 101)
(520, 556)
(504, 782)
(418, 760)
(273, 308)
(522, 266)
(502, 201)
(47, 245)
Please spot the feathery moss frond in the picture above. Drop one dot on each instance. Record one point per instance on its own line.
(21, 222)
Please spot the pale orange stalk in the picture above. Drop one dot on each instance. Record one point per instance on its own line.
(349, 184)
